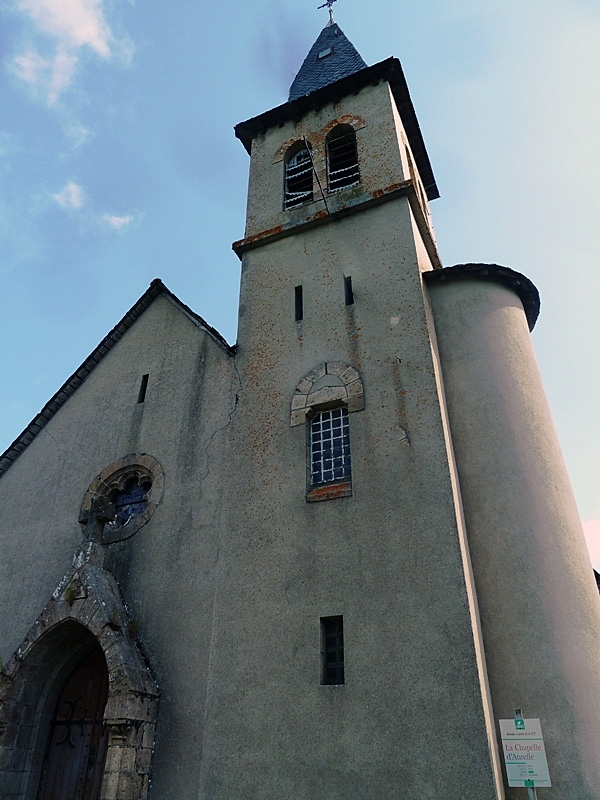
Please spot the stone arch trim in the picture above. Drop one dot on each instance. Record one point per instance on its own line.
(333, 382)
(86, 606)
(350, 120)
(317, 138)
(139, 465)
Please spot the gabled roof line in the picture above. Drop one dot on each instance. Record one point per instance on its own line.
(71, 385)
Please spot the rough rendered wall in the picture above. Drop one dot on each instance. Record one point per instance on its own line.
(165, 570)
(387, 558)
(538, 600)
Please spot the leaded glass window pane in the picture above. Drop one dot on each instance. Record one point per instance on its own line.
(330, 447)
(131, 501)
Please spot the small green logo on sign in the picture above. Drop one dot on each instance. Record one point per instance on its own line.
(530, 783)
(520, 724)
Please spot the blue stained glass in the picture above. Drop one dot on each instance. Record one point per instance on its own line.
(131, 501)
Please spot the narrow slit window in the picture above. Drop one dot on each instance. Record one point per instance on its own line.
(348, 293)
(299, 303)
(143, 388)
(298, 179)
(342, 158)
(332, 651)
(330, 447)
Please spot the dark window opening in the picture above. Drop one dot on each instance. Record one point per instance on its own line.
(298, 179)
(330, 447)
(342, 158)
(143, 388)
(332, 651)
(131, 501)
(348, 293)
(299, 303)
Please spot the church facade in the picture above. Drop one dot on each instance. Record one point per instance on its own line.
(325, 561)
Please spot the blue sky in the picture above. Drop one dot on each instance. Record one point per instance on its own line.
(118, 164)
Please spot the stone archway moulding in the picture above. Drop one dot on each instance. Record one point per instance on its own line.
(333, 382)
(88, 598)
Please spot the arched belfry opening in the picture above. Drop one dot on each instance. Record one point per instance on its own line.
(298, 175)
(342, 158)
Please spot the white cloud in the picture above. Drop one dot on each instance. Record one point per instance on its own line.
(591, 530)
(78, 134)
(70, 197)
(117, 223)
(73, 198)
(48, 76)
(30, 67)
(70, 26)
(74, 23)
(61, 74)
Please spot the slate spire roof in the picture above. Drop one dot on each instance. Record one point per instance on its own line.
(331, 58)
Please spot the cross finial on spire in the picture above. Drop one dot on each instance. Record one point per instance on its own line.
(328, 4)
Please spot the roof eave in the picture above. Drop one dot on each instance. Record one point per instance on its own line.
(70, 386)
(524, 288)
(389, 70)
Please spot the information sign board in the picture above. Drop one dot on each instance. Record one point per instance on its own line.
(524, 753)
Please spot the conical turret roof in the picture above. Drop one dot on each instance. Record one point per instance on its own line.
(331, 58)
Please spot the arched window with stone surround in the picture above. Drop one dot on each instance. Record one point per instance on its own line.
(323, 401)
(342, 158)
(134, 485)
(298, 176)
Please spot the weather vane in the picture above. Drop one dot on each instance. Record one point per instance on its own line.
(328, 5)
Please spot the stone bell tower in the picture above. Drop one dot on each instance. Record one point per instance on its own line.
(347, 658)
(349, 652)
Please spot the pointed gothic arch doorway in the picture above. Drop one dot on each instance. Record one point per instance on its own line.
(77, 740)
(84, 616)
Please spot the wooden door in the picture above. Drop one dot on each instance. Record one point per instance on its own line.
(76, 750)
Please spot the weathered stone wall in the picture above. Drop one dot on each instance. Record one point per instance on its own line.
(86, 611)
(166, 570)
(227, 578)
(388, 558)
